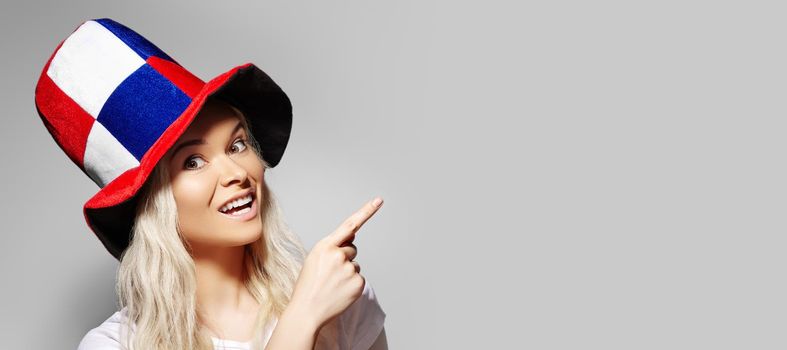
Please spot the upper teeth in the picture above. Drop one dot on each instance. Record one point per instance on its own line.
(236, 203)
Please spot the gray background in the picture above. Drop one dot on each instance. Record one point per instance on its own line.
(557, 174)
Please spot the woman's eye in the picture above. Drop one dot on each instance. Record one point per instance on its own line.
(238, 146)
(194, 163)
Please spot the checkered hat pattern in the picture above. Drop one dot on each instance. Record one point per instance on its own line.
(118, 93)
(115, 103)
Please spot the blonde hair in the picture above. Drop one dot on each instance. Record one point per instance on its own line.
(156, 282)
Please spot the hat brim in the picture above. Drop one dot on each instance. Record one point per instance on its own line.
(110, 212)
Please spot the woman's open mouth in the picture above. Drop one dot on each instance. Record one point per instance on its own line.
(243, 208)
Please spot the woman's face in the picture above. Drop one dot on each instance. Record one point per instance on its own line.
(217, 181)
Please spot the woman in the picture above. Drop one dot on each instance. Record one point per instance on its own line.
(205, 259)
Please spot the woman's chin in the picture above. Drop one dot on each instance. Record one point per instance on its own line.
(227, 241)
(239, 241)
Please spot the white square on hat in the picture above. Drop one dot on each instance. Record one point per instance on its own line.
(91, 64)
(105, 157)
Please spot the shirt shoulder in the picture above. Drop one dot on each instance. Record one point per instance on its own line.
(363, 320)
(104, 337)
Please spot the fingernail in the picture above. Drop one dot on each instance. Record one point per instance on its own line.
(377, 201)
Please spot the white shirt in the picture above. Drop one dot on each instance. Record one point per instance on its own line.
(359, 326)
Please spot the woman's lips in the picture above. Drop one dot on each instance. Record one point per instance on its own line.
(244, 214)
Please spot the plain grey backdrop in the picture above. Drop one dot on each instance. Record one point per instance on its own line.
(557, 174)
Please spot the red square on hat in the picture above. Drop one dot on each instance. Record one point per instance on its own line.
(68, 123)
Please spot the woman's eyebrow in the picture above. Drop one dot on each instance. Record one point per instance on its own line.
(237, 127)
(185, 144)
(195, 142)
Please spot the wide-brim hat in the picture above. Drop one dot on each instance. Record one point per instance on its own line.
(116, 103)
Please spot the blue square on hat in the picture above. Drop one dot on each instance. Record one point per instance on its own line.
(141, 108)
(136, 42)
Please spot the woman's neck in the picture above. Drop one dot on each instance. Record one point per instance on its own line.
(221, 276)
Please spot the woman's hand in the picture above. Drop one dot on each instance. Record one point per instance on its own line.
(329, 281)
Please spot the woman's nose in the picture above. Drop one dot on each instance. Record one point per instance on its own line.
(232, 172)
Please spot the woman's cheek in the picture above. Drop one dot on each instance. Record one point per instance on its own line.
(192, 198)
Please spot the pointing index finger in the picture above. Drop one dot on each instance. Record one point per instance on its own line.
(351, 225)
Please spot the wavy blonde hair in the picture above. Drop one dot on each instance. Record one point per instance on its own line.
(156, 281)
